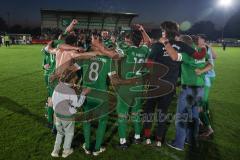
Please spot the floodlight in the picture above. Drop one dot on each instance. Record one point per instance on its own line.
(225, 3)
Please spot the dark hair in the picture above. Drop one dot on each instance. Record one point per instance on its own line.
(186, 39)
(57, 35)
(171, 28)
(136, 37)
(69, 75)
(203, 36)
(195, 39)
(127, 35)
(71, 39)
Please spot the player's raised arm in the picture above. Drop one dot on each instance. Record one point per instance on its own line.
(146, 39)
(50, 49)
(98, 46)
(69, 47)
(71, 26)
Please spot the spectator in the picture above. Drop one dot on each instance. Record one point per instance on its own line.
(7, 40)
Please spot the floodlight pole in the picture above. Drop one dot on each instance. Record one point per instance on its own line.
(223, 26)
(224, 23)
(224, 6)
(8, 20)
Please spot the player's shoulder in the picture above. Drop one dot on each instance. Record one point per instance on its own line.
(178, 44)
(157, 44)
(130, 49)
(57, 42)
(144, 46)
(101, 59)
(157, 47)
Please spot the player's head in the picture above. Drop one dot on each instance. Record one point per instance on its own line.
(113, 38)
(70, 77)
(195, 39)
(169, 29)
(186, 39)
(105, 35)
(136, 37)
(201, 39)
(71, 40)
(57, 35)
(127, 38)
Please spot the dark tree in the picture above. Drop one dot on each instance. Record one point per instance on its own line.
(26, 30)
(3, 25)
(16, 29)
(205, 27)
(36, 31)
(232, 27)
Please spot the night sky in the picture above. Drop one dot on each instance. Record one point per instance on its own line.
(150, 11)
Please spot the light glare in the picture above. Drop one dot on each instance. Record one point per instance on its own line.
(225, 3)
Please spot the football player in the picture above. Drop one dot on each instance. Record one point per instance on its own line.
(135, 54)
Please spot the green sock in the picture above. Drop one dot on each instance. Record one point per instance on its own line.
(122, 111)
(122, 127)
(50, 114)
(102, 124)
(87, 133)
(137, 123)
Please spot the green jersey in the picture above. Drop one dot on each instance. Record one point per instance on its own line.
(188, 75)
(121, 47)
(48, 59)
(56, 43)
(96, 72)
(135, 57)
(132, 66)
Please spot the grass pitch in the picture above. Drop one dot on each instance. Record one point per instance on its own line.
(23, 132)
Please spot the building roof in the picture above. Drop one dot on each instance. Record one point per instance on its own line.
(89, 12)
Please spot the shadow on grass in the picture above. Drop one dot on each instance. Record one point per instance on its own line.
(20, 76)
(206, 149)
(14, 107)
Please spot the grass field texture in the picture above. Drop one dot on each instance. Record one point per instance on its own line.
(24, 135)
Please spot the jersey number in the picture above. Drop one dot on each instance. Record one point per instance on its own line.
(93, 74)
(141, 60)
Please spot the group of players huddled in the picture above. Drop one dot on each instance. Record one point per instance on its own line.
(133, 76)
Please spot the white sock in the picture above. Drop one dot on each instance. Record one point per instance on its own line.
(137, 136)
(210, 128)
(122, 140)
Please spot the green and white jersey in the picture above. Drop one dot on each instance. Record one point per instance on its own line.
(188, 75)
(122, 45)
(96, 72)
(108, 43)
(48, 59)
(134, 59)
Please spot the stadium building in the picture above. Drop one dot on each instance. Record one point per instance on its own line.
(60, 19)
